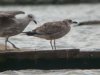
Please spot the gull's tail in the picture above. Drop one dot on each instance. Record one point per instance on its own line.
(29, 33)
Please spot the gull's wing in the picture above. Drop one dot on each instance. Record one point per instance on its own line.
(10, 14)
(6, 15)
(49, 28)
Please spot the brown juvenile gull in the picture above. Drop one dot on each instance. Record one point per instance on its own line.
(52, 30)
(10, 25)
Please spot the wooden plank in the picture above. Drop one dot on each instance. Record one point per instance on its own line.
(43, 54)
(50, 54)
(49, 59)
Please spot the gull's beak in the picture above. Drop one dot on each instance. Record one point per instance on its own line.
(75, 22)
(35, 21)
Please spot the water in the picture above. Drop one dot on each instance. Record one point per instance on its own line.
(52, 72)
(83, 37)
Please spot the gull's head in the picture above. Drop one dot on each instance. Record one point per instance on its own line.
(32, 18)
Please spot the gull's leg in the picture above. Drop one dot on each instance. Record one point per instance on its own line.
(12, 44)
(55, 44)
(51, 44)
(6, 43)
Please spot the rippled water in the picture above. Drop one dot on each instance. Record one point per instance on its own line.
(83, 37)
(52, 72)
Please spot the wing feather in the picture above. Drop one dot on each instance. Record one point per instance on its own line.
(10, 14)
(49, 28)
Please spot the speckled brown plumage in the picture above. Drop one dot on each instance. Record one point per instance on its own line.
(52, 30)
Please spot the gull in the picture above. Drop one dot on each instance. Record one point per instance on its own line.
(11, 26)
(52, 31)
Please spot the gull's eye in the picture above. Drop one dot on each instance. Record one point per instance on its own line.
(29, 16)
(70, 21)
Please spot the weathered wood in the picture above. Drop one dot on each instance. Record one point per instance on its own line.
(49, 59)
(50, 54)
(43, 54)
